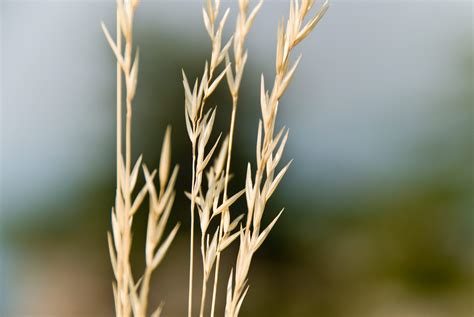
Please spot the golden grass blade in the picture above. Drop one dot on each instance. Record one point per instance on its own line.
(286, 81)
(112, 44)
(312, 24)
(204, 163)
(157, 312)
(165, 158)
(113, 256)
(217, 81)
(227, 241)
(160, 254)
(141, 196)
(227, 203)
(261, 238)
(134, 173)
(277, 179)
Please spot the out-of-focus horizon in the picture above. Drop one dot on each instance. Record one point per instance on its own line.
(378, 201)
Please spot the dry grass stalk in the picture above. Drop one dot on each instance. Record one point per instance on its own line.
(269, 151)
(131, 298)
(234, 78)
(199, 129)
(209, 189)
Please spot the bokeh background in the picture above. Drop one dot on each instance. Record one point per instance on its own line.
(379, 200)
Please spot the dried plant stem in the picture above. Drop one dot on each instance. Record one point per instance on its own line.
(199, 128)
(229, 148)
(269, 150)
(226, 181)
(118, 303)
(196, 181)
(125, 276)
(131, 299)
(119, 102)
(145, 290)
(243, 25)
(191, 242)
(204, 279)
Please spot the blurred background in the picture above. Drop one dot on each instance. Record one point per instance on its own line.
(379, 200)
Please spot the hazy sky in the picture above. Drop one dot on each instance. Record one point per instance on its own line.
(365, 89)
